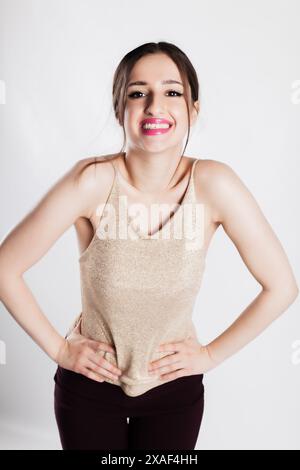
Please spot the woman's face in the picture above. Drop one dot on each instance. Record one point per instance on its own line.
(156, 100)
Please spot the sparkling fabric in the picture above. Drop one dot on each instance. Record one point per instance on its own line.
(139, 291)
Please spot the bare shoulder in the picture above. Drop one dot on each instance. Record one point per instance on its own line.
(89, 170)
(218, 183)
(208, 169)
(94, 177)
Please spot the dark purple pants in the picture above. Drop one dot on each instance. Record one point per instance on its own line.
(93, 415)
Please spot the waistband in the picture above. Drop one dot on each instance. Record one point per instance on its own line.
(181, 394)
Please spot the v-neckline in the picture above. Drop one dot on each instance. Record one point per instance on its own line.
(170, 220)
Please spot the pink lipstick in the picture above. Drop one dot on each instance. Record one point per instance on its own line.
(155, 126)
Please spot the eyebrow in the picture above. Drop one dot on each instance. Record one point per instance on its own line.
(164, 82)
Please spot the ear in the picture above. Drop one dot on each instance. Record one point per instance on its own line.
(195, 112)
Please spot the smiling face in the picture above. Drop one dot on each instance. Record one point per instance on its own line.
(155, 99)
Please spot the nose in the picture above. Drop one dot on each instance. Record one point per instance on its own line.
(154, 105)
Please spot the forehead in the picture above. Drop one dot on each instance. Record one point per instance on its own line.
(155, 67)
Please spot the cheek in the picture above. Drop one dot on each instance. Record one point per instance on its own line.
(129, 119)
(179, 112)
(131, 113)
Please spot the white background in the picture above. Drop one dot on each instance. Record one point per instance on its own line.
(57, 60)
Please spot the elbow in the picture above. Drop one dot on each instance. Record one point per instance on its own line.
(294, 293)
(287, 292)
(292, 290)
(7, 280)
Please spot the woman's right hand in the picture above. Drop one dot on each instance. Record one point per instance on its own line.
(81, 355)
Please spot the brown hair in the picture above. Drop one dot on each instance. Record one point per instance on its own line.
(123, 70)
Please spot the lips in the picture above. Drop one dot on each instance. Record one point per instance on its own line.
(160, 131)
(156, 121)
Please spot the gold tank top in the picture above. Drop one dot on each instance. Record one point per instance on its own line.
(138, 290)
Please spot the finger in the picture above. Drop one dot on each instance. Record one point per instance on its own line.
(91, 375)
(167, 368)
(173, 375)
(97, 345)
(105, 363)
(170, 359)
(102, 370)
(171, 346)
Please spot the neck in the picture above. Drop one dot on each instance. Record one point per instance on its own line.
(151, 173)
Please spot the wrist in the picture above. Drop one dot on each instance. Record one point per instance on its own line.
(214, 361)
(59, 349)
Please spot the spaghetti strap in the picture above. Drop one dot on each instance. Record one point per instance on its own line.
(193, 167)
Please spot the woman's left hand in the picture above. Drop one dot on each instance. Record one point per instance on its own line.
(189, 357)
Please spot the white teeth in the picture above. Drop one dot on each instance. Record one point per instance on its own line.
(156, 126)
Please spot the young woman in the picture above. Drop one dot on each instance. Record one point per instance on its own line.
(133, 350)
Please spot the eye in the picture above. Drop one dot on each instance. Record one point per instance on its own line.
(136, 92)
(173, 91)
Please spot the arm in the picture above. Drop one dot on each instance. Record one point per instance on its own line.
(243, 221)
(29, 241)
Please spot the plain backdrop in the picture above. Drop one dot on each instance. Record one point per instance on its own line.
(57, 60)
